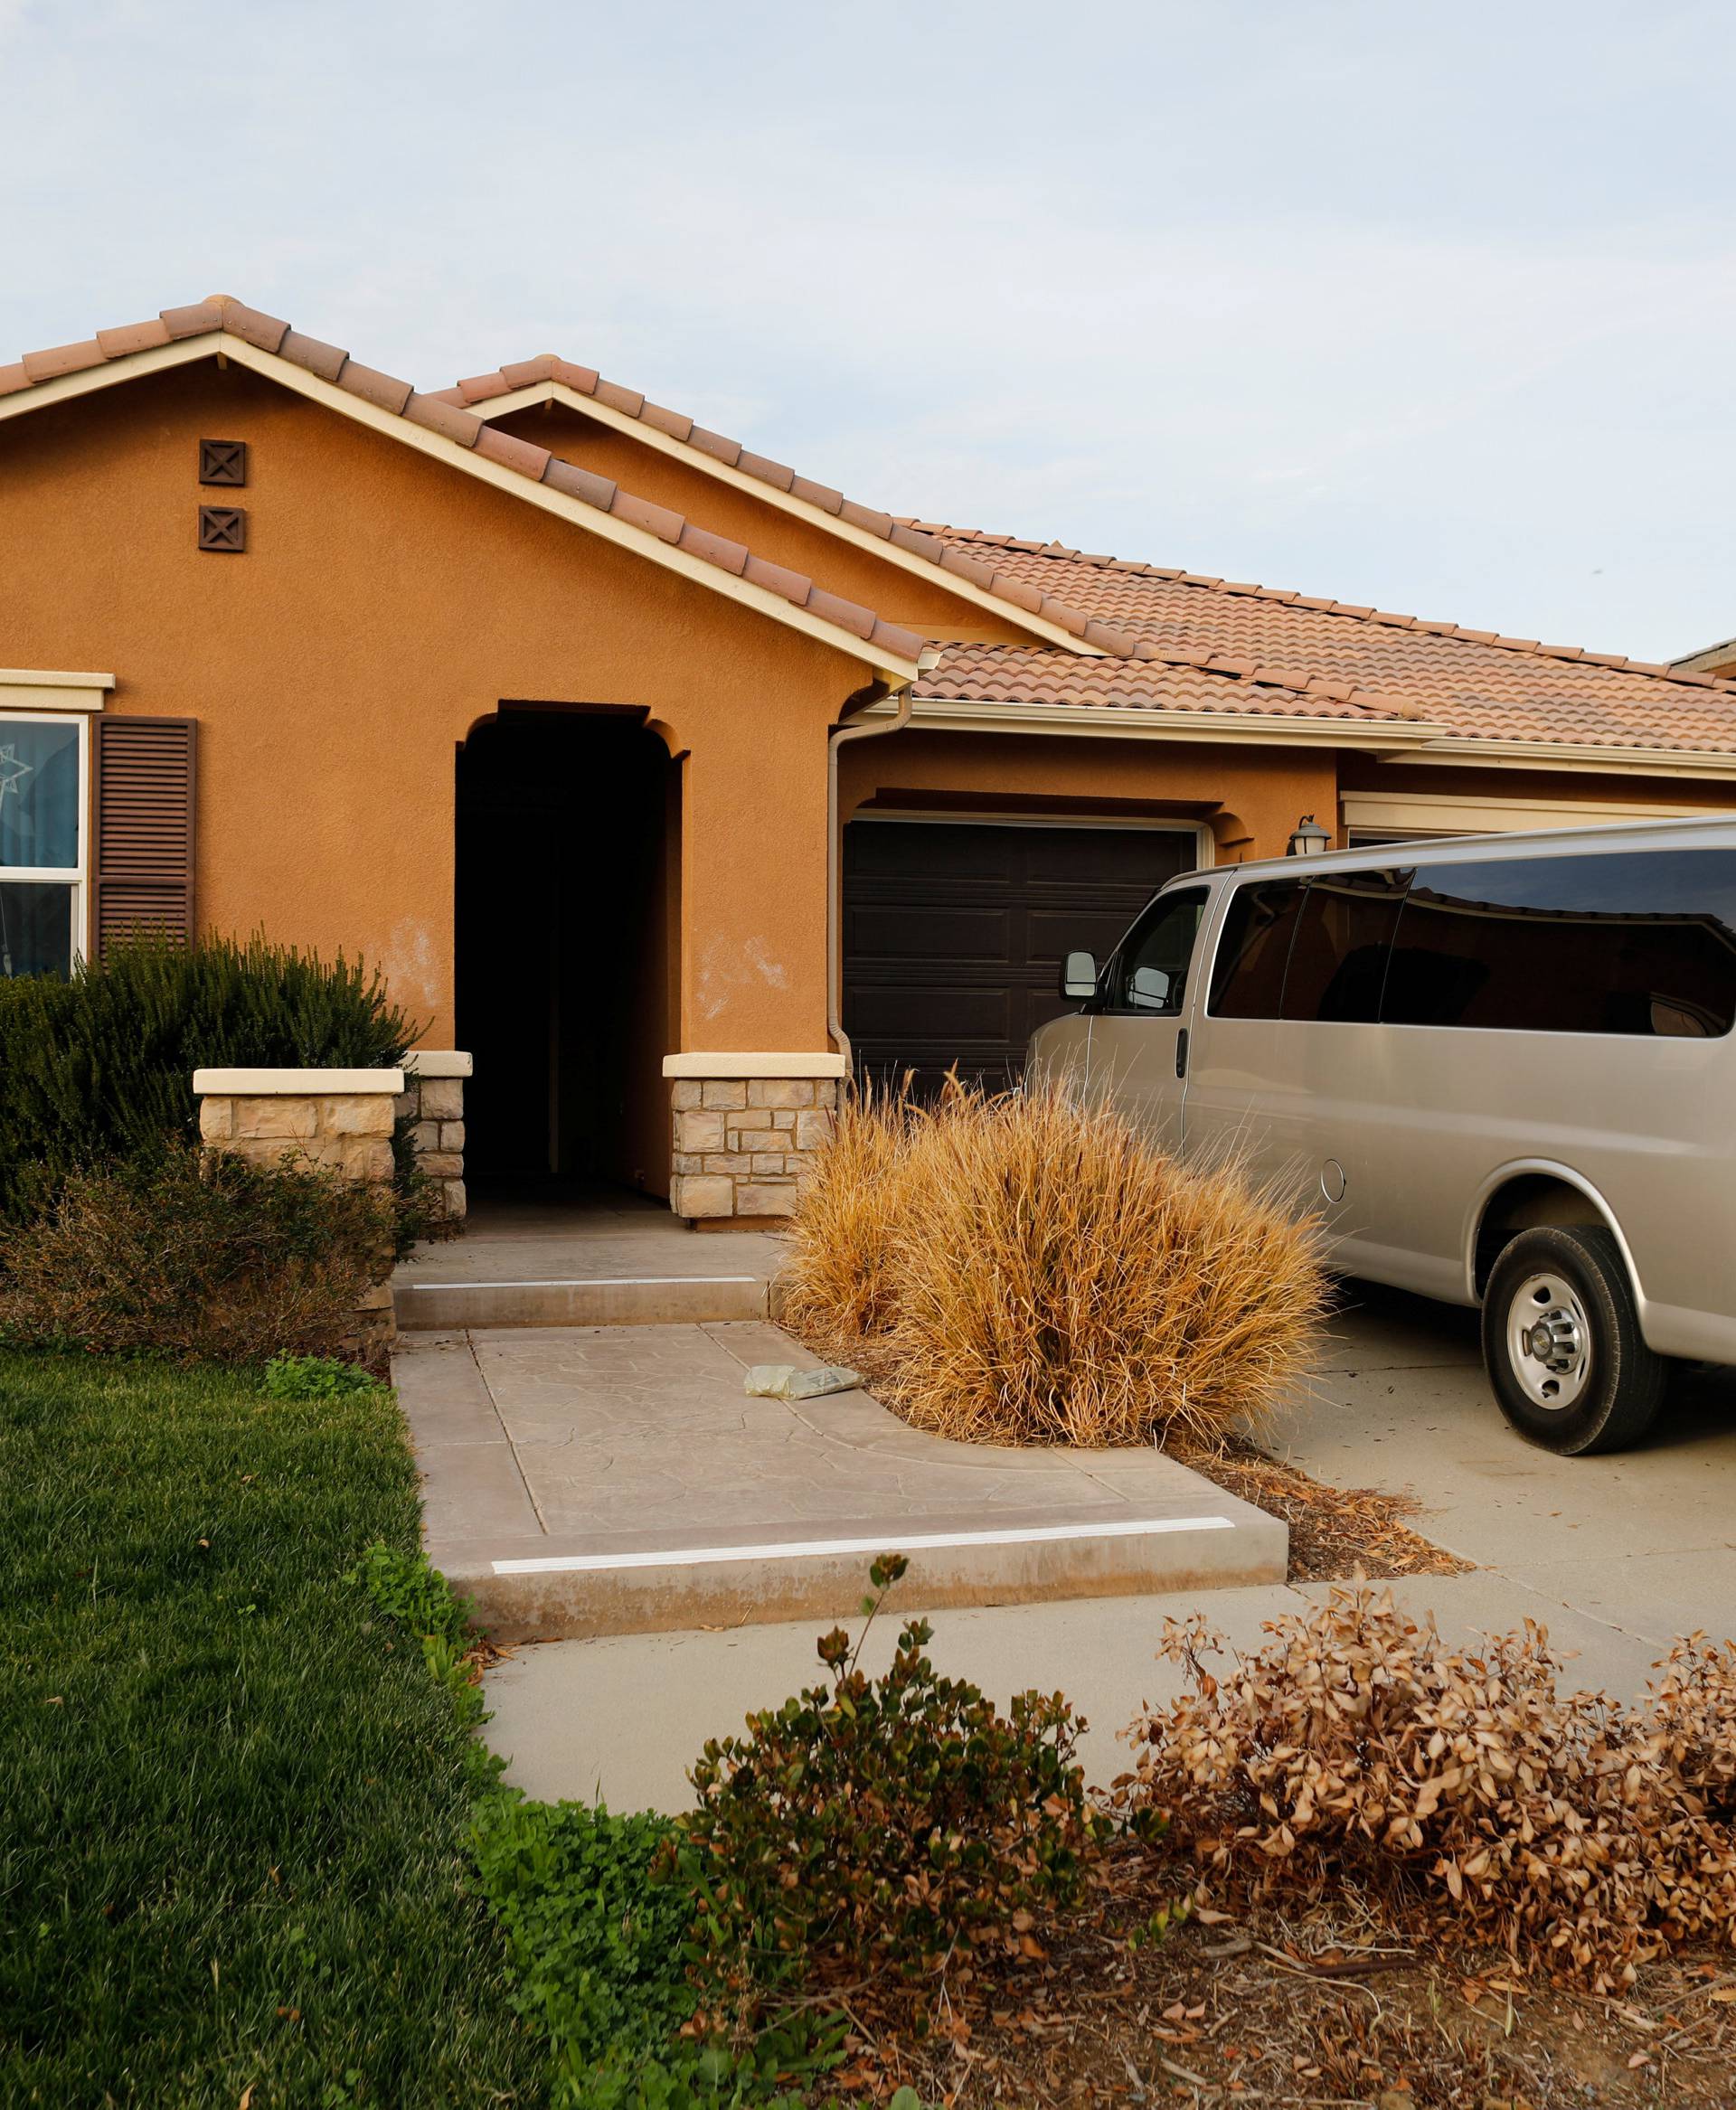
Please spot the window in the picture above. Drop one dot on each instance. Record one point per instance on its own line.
(1148, 974)
(1248, 975)
(1638, 942)
(42, 771)
(1338, 955)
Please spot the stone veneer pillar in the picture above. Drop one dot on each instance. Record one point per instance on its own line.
(432, 1102)
(338, 1119)
(745, 1126)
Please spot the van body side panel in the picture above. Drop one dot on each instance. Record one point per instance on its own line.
(1061, 1052)
(1309, 1110)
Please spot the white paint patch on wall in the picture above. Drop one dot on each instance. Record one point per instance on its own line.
(724, 969)
(411, 967)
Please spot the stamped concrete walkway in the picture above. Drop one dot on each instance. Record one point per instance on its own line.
(589, 1481)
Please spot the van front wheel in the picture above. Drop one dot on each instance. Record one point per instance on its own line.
(1563, 1346)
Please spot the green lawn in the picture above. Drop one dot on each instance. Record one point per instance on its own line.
(232, 1814)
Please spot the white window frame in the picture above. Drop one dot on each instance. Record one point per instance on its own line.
(33, 697)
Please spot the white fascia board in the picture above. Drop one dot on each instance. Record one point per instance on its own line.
(1110, 722)
(1461, 754)
(605, 526)
(1465, 812)
(556, 392)
(734, 1064)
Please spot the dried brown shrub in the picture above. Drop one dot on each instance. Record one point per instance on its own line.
(198, 1261)
(1022, 1269)
(1359, 1747)
(836, 1284)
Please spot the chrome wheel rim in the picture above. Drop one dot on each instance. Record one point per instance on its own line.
(1549, 1342)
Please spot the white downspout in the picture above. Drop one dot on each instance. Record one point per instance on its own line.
(835, 855)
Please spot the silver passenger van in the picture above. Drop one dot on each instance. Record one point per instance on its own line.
(1502, 1067)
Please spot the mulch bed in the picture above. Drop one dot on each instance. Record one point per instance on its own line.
(1334, 1531)
(1322, 2007)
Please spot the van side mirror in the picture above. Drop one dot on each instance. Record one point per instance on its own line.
(1150, 989)
(1079, 978)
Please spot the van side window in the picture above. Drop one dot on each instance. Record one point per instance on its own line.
(1248, 975)
(1638, 942)
(1148, 974)
(1339, 952)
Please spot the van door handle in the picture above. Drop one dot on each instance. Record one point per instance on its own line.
(1181, 1052)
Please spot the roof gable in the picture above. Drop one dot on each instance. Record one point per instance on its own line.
(270, 346)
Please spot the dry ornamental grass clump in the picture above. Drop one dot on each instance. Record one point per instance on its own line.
(1359, 1747)
(836, 1273)
(1022, 1269)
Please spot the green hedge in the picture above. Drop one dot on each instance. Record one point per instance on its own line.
(101, 1066)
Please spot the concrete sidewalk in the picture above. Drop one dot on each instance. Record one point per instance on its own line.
(1615, 1556)
(611, 1479)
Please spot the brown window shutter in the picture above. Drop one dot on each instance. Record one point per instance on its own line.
(143, 877)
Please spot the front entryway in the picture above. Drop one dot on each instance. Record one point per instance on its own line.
(568, 895)
(954, 932)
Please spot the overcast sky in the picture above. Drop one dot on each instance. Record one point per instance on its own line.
(1427, 306)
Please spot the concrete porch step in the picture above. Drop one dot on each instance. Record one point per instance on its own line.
(454, 1303)
(571, 1587)
(618, 1480)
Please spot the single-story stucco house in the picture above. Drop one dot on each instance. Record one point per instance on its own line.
(558, 708)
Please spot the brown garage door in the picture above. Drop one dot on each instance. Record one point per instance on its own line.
(954, 933)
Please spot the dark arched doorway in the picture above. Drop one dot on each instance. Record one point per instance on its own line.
(567, 940)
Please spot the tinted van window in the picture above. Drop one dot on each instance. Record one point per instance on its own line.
(1248, 975)
(1338, 956)
(1626, 942)
(1148, 974)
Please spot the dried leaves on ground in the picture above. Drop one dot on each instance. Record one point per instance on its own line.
(1323, 2010)
(1334, 1531)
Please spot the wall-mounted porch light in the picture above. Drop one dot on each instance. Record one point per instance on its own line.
(1309, 839)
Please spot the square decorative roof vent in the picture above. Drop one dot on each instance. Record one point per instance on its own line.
(222, 461)
(222, 527)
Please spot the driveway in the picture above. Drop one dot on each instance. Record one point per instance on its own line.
(1644, 1539)
(1614, 1555)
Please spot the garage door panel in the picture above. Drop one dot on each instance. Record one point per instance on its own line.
(890, 931)
(954, 934)
(983, 1015)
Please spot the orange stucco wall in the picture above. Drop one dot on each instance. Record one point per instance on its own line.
(384, 604)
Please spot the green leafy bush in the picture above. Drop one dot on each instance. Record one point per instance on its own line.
(406, 1588)
(101, 1066)
(316, 1377)
(894, 1822)
(598, 1965)
(596, 1947)
(220, 1261)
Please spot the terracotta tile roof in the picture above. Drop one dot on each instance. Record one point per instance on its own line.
(1152, 681)
(1476, 684)
(463, 429)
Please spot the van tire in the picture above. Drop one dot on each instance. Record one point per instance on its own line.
(1582, 1286)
